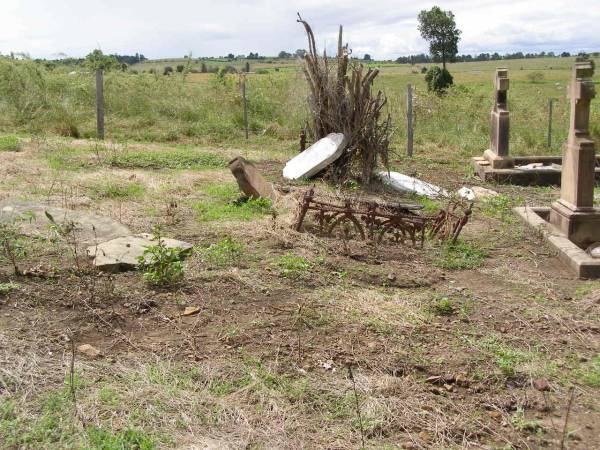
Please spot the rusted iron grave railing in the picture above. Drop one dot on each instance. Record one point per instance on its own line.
(372, 220)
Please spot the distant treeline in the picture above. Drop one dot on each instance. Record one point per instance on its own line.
(122, 59)
(422, 58)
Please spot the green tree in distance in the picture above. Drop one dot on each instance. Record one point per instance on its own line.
(439, 28)
(98, 60)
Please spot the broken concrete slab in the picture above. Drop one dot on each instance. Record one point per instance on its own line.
(122, 253)
(249, 179)
(594, 250)
(476, 193)
(90, 228)
(539, 166)
(404, 183)
(89, 350)
(316, 157)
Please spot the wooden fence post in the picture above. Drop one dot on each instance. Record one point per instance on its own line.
(409, 121)
(100, 104)
(550, 122)
(245, 106)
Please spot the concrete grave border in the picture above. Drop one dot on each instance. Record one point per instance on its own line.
(576, 258)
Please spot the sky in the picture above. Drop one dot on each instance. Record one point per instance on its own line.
(385, 29)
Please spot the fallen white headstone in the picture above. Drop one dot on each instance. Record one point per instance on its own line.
(404, 183)
(315, 158)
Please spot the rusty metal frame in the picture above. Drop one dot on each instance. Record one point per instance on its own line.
(372, 220)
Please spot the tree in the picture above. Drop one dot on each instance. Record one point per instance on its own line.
(230, 56)
(300, 53)
(439, 28)
(367, 57)
(98, 60)
(284, 55)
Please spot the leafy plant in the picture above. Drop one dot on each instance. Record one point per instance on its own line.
(521, 423)
(293, 266)
(224, 253)
(161, 264)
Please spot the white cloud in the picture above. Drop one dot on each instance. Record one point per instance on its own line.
(385, 29)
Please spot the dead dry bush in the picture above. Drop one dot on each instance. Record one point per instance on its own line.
(341, 100)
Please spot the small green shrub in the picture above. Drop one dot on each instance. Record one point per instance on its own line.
(10, 143)
(438, 79)
(522, 424)
(460, 255)
(293, 266)
(160, 264)
(224, 253)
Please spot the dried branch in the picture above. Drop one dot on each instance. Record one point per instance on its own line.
(343, 101)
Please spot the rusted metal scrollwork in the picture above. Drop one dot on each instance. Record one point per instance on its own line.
(372, 220)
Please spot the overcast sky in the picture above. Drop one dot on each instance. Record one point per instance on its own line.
(385, 29)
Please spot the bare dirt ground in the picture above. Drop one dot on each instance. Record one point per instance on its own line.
(300, 341)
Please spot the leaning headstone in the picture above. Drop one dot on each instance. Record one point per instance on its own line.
(249, 179)
(497, 154)
(315, 158)
(404, 183)
(574, 213)
(122, 253)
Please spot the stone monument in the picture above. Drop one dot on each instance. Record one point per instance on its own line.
(574, 213)
(497, 154)
(572, 224)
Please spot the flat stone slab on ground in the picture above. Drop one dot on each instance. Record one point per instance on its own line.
(315, 158)
(90, 228)
(249, 179)
(122, 253)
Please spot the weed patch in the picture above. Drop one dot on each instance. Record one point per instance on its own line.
(443, 306)
(10, 143)
(460, 255)
(167, 159)
(224, 253)
(116, 190)
(293, 266)
(7, 288)
(218, 208)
